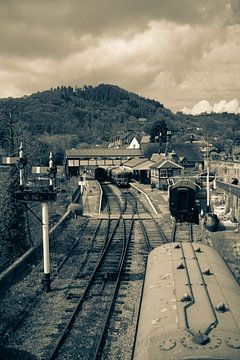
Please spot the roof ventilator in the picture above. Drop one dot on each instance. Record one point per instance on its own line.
(186, 297)
(180, 266)
(221, 307)
(207, 271)
(200, 338)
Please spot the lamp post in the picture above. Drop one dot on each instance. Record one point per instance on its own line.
(208, 190)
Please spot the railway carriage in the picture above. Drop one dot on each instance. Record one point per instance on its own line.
(119, 176)
(190, 307)
(182, 201)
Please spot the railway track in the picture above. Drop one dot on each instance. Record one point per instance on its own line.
(93, 309)
(97, 287)
(186, 232)
(113, 202)
(182, 232)
(146, 234)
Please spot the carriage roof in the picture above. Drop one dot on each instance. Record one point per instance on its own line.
(186, 183)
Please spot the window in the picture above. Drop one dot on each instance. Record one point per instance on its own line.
(163, 173)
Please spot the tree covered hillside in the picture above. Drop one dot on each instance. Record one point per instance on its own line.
(66, 117)
(92, 115)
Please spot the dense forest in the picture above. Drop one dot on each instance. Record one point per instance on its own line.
(67, 117)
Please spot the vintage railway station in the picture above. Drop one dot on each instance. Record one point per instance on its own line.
(128, 225)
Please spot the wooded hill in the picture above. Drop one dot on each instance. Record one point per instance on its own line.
(66, 117)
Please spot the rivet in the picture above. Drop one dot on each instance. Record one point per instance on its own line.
(221, 307)
(200, 338)
(186, 297)
(207, 271)
(181, 266)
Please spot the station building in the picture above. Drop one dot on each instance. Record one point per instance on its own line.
(140, 168)
(162, 170)
(88, 159)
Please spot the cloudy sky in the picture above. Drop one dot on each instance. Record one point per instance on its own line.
(176, 51)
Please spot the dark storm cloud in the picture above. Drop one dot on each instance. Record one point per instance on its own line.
(55, 28)
(176, 51)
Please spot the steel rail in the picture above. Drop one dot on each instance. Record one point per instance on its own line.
(174, 232)
(137, 201)
(101, 342)
(69, 326)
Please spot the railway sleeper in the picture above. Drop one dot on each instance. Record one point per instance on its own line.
(71, 296)
(84, 275)
(108, 276)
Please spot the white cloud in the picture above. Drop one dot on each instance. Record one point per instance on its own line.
(205, 107)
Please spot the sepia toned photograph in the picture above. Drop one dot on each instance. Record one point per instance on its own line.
(119, 180)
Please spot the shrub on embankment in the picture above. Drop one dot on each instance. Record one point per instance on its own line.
(13, 238)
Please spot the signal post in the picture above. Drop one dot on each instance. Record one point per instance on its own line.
(41, 194)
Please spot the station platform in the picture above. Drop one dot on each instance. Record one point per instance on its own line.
(158, 198)
(91, 198)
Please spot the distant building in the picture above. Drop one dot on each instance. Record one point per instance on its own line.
(204, 146)
(189, 156)
(134, 144)
(124, 140)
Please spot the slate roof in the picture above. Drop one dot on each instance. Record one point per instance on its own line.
(188, 151)
(135, 161)
(185, 183)
(149, 148)
(166, 164)
(127, 134)
(102, 152)
(146, 165)
(156, 157)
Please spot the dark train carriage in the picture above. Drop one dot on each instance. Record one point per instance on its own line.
(188, 312)
(182, 201)
(120, 176)
(100, 174)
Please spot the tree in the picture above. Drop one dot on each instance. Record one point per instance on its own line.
(13, 238)
(156, 127)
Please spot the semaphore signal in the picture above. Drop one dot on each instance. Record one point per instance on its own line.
(43, 195)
